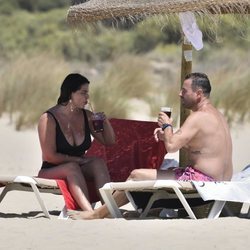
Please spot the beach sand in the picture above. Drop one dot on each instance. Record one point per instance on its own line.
(23, 225)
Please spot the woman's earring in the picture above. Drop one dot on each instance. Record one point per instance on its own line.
(71, 106)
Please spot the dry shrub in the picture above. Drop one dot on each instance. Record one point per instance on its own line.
(230, 83)
(30, 85)
(126, 78)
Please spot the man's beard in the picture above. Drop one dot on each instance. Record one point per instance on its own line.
(187, 105)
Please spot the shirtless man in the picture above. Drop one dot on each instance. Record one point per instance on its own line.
(204, 134)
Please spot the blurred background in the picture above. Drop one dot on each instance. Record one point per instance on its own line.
(134, 68)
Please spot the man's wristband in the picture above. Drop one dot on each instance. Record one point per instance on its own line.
(166, 125)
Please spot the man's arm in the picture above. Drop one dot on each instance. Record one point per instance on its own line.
(182, 137)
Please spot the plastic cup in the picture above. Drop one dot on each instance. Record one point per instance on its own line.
(97, 121)
(167, 111)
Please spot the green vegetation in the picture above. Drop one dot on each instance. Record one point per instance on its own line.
(130, 78)
(28, 87)
(38, 49)
(10, 6)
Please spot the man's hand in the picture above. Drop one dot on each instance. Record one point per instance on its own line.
(163, 119)
(158, 134)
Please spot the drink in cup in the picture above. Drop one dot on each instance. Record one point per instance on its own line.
(97, 120)
(167, 111)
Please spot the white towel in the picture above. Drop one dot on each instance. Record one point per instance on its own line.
(191, 29)
(238, 191)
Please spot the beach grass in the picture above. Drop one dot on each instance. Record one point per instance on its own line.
(30, 85)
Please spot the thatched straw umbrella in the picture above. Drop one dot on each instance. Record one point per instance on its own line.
(96, 10)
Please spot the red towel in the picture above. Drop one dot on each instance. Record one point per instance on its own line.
(135, 148)
(70, 203)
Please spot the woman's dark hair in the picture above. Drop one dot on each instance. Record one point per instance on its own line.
(200, 80)
(71, 83)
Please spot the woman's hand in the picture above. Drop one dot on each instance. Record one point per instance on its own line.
(79, 160)
(104, 117)
(107, 136)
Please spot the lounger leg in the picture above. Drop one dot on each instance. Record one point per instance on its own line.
(248, 214)
(184, 203)
(37, 193)
(63, 215)
(4, 192)
(108, 198)
(131, 200)
(156, 196)
(216, 209)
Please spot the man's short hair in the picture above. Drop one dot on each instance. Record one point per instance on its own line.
(200, 80)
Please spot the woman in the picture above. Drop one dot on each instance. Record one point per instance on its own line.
(65, 134)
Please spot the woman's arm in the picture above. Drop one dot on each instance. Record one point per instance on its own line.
(107, 136)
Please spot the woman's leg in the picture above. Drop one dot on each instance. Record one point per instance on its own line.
(119, 196)
(95, 169)
(102, 211)
(77, 185)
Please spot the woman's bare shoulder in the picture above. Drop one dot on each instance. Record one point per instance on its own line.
(54, 110)
(47, 115)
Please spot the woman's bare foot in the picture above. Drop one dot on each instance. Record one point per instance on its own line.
(83, 215)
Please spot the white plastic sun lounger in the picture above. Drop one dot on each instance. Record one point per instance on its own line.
(30, 184)
(169, 189)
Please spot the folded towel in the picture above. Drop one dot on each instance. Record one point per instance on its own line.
(237, 191)
(70, 203)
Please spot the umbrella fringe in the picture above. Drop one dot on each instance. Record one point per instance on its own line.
(96, 10)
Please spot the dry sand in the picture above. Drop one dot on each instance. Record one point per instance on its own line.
(23, 225)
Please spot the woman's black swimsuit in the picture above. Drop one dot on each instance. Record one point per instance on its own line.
(62, 145)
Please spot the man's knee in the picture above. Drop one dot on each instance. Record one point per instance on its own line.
(143, 174)
(135, 174)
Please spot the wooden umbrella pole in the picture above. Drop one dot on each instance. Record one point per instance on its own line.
(186, 68)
